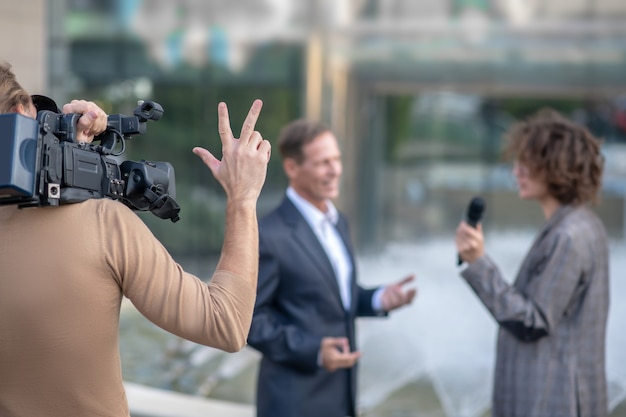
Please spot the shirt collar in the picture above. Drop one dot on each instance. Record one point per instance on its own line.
(311, 213)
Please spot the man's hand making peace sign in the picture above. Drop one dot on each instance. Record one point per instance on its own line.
(241, 172)
(243, 167)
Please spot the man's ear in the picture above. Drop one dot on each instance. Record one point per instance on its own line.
(290, 166)
(29, 111)
(21, 109)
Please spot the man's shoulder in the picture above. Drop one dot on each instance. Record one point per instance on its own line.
(276, 215)
(279, 219)
(104, 210)
(104, 205)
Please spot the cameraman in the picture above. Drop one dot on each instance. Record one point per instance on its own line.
(64, 271)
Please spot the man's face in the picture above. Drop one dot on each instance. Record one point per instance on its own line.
(317, 178)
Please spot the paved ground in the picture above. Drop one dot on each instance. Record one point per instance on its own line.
(151, 402)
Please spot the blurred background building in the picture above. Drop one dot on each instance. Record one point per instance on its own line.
(419, 93)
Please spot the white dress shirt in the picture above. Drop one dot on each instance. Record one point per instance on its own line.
(323, 225)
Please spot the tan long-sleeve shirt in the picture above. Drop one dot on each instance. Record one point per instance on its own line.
(63, 273)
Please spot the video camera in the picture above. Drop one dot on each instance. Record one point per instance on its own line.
(43, 164)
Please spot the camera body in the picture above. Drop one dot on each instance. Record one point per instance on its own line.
(43, 164)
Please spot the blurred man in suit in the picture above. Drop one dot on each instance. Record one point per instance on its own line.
(308, 297)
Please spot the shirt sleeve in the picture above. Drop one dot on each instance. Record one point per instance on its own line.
(552, 271)
(216, 314)
(377, 300)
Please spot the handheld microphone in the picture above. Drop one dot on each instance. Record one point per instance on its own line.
(474, 214)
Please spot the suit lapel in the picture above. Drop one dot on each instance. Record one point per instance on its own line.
(306, 238)
(344, 232)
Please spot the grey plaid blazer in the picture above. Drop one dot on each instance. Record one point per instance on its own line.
(552, 321)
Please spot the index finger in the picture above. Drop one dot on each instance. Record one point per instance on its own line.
(466, 228)
(223, 124)
(248, 125)
(75, 106)
(473, 232)
(406, 280)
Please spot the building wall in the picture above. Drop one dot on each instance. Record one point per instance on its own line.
(23, 39)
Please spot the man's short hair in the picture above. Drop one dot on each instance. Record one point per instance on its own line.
(294, 136)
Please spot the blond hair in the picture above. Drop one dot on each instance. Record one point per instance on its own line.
(11, 92)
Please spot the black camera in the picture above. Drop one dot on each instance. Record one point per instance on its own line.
(43, 164)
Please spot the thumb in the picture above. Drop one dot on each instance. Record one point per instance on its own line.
(338, 342)
(207, 157)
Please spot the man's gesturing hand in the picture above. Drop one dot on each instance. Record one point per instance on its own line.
(243, 167)
(395, 296)
(335, 353)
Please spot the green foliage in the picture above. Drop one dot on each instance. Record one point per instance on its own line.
(432, 135)
(189, 96)
(427, 136)
(520, 107)
(200, 229)
(190, 119)
(398, 125)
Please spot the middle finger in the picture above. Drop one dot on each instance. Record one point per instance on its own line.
(251, 119)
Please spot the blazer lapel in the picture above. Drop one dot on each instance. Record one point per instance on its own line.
(306, 238)
(344, 232)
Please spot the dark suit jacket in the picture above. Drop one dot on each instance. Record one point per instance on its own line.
(298, 303)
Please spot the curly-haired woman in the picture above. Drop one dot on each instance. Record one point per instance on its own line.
(552, 319)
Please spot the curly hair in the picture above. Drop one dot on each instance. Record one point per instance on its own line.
(11, 92)
(560, 152)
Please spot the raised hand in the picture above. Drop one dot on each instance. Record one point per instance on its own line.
(243, 166)
(394, 296)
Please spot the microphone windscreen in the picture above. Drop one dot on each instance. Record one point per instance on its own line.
(475, 210)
